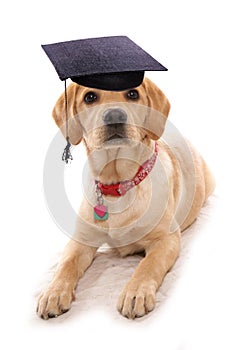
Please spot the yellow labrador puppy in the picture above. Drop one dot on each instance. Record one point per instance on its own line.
(142, 192)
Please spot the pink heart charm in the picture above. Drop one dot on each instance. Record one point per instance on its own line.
(100, 210)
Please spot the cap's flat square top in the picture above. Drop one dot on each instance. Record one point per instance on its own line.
(85, 57)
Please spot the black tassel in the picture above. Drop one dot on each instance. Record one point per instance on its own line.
(66, 153)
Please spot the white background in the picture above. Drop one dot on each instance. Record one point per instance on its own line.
(199, 43)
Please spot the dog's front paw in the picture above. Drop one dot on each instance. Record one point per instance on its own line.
(137, 299)
(54, 301)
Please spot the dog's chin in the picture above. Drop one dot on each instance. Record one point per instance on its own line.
(117, 141)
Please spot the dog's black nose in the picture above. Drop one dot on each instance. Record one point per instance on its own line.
(114, 116)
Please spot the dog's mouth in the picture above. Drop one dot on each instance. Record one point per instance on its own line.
(114, 137)
(116, 140)
(115, 133)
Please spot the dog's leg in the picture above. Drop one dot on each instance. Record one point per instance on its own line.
(57, 297)
(138, 296)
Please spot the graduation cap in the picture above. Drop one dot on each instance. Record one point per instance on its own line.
(113, 63)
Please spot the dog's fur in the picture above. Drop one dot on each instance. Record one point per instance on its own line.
(161, 245)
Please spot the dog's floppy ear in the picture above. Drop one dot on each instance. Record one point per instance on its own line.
(59, 115)
(159, 107)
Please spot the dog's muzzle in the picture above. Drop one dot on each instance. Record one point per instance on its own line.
(115, 120)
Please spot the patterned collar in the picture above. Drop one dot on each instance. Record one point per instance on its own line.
(120, 188)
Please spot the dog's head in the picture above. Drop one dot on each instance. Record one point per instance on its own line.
(107, 118)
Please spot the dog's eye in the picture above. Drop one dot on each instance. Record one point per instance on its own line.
(90, 97)
(133, 94)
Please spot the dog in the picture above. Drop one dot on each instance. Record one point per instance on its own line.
(149, 213)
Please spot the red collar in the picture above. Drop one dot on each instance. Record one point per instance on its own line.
(120, 188)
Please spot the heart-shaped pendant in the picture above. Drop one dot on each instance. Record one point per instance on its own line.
(100, 212)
